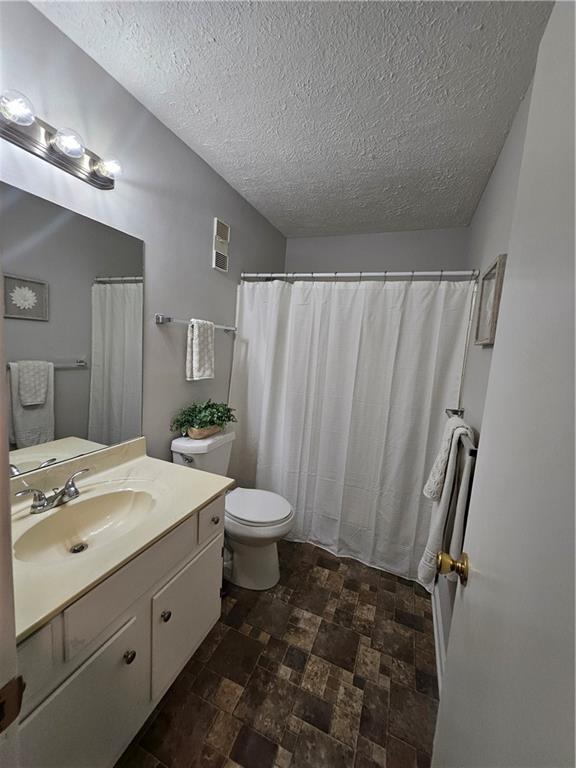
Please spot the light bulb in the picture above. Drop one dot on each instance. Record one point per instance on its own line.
(16, 108)
(69, 143)
(108, 169)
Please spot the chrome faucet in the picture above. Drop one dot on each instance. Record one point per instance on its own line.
(42, 503)
(15, 471)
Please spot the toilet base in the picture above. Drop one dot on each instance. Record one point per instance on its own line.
(254, 567)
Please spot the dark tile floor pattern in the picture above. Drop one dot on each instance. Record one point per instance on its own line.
(333, 668)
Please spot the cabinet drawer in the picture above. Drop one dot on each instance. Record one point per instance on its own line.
(183, 612)
(89, 719)
(85, 619)
(211, 520)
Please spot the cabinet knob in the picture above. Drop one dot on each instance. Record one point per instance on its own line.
(215, 519)
(166, 616)
(129, 656)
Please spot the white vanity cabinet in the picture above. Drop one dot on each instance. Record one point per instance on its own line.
(97, 670)
(84, 721)
(181, 613)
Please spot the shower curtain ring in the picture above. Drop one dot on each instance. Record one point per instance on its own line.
(412, 277)
(385, 276)
(441, 275)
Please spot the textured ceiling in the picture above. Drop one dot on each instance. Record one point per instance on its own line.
(328, 117)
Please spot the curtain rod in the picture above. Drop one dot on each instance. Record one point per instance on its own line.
(135, 279)
(441, 274)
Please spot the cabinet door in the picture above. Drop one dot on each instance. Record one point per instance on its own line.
(88, 720)
(183, 612)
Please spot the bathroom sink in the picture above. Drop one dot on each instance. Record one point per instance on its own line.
(82, 525)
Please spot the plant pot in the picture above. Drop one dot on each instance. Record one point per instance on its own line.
(200, 434)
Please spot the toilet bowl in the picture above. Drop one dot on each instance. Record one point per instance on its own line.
(254, 519)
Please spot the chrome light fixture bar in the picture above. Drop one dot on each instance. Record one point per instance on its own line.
(63, 147)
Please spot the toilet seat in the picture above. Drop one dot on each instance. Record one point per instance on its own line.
(253, 507)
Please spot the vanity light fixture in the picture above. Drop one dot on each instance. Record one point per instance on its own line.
(16, 108)
(61, 147)
(68, 142)
(108, 169)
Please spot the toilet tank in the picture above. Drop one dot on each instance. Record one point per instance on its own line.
(212, 454)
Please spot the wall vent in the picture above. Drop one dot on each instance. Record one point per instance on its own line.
(220, 259)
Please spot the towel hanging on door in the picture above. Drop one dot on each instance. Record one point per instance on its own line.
(435, 483)
(451, 493)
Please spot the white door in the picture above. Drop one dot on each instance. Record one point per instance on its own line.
(508, 692)
(8, 666)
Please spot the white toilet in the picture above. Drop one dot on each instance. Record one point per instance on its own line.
(255, 520)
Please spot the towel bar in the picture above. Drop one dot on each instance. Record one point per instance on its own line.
(455, 412)
(66, 365)
(161, 319)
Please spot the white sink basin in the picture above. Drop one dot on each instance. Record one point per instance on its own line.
(82, 525)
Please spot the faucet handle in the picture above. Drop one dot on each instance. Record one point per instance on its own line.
(47, 463)
(39, 500)
(70, 486)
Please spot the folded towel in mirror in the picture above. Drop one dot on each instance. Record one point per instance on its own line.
(33, 381)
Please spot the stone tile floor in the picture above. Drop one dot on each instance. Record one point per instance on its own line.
(333, 668)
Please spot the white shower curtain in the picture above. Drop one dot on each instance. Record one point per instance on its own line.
(340, 390)
(115, 412)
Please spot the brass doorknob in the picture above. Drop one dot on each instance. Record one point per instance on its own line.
(446, 564)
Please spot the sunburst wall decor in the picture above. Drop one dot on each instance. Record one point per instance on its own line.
(25, 298)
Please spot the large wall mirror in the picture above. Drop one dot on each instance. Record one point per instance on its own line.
(73, 308)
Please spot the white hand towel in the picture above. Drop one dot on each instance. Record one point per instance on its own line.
(200, 350)
(33, 378)
(457, 538)
(439, 515)
(435, 482)
(31, 425)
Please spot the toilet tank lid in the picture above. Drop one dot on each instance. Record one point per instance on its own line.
(189, 447)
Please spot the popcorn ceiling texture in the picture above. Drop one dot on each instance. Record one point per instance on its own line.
(329, 118)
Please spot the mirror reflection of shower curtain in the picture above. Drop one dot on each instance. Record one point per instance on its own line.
(116, 371)
(340, 391)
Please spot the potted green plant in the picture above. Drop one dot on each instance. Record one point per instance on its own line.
(199, 420)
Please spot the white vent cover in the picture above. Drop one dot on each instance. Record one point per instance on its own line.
(220, 258)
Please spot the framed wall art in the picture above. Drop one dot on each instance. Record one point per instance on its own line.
(489, 302)
(25, 298)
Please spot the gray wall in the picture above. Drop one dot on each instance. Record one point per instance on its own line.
(425, 249)
(44, 241)
(167, 197)
(488, 236)
(473, 247)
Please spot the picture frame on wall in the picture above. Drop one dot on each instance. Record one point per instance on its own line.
(25, 298)
(490, 291)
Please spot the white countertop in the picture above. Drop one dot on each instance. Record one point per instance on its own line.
(44, 589)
